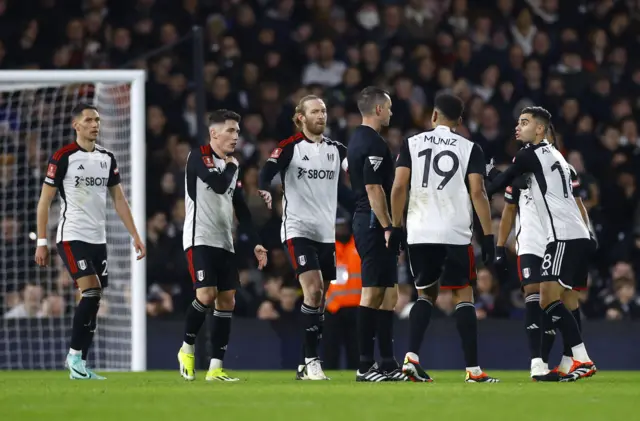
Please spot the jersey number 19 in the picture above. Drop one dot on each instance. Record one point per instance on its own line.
(448, 175)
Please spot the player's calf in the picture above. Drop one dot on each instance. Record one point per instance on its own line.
(562, 318)
(86, 311)
(196, 315)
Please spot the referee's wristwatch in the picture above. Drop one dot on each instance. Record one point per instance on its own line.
(389, 228)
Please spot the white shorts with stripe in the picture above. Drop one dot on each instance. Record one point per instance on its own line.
(567, 262)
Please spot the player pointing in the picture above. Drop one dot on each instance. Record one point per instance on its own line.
(445, 172)
(212, 194)
(83, 172)
(309, 164)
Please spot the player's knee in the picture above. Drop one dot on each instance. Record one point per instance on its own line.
(372, 297)
(463, 295)
(390, 299)
(226, 301)
(206, 296)
(570, 300)
(95, 293)
(531, 289)
(314, 295)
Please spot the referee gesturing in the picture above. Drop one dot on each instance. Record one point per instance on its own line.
(371, 169)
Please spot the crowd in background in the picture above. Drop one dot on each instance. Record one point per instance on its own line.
(575, 58)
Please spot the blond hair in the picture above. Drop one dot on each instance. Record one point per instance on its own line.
(300, 110)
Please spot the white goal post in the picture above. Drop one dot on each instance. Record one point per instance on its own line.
(34, 122)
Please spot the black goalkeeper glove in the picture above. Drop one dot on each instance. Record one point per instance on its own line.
(488, 250)
(501, 258)
(397, 239)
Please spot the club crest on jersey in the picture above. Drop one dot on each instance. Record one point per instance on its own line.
(276, 152)
(375, 162)
(103, 164)
(331, 157)
(526, 272)
(200, 275)
(82, 264)
(302, 260)
(51, 170)
(208, 161)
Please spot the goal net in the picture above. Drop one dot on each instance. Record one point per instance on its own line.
(37, 304)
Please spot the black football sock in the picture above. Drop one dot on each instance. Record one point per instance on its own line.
(385, 340)
(467, 324)
(196, 315)
(419, 319)
(88, 340)
(311, 321)
(366, 336)
(85, 311)
(533, 324)
(220, 332)
(320, 325)
(576, 315)
(562, 318)
(548, 335)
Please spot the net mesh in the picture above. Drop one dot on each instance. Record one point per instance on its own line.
(37, 304)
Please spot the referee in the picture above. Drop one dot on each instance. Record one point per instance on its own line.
(371, 169)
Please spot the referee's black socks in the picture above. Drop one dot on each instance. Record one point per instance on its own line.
(196, 315)
(419, 319)
(385, 340)
(467, 324)
(85, 312)
(367, 321)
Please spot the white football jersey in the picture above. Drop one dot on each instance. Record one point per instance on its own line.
(531, 238)
(440, 209)
(208, 215)
(550, 180)
(82, 179)
(310, 172)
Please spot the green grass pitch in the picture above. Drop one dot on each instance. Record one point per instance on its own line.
(160, 395)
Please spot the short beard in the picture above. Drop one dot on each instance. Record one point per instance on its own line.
(312, 129)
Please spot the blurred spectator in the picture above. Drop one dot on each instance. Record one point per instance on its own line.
(31, 305)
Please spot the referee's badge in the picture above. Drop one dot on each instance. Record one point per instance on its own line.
(302, 260)
(526, 272)
(200, 275)
(82, 264)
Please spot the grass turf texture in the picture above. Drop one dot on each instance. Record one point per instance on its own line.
(161, 395)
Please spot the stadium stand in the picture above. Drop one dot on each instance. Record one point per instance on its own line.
(574, 58)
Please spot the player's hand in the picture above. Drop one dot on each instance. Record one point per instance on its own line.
(396, 239)
(140, 248)
(488, 250)
(230, 159)
(490, 166)
(261, 255)
(266, 196)
(42, 256)
(501, 258)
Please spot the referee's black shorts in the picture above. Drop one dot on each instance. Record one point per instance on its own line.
(379, 265)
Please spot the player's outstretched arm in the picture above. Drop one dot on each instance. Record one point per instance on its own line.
(123, 210)
(243, 214)
(42, 249)
(523, 163)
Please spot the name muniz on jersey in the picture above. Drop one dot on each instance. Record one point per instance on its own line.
(441, 141)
